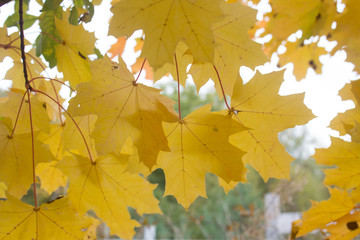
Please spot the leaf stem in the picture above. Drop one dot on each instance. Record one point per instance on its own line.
(142, 66)
(178, 83)
(32, 150)
(55, 92)
(222, 88)
(55, 80)
(76, 125)
(18, 114)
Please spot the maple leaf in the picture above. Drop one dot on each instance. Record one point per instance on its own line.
(199, 144)
(312, 17)
(178, 67)
(51, 88)
(55, 220)
(345, 155)
(118, 47)
(346, 227)
(303, 57)
(78, 142)
(16, 160)
(54, 140)
(16, 75)
(348, 122)
(166, 23)
(258, 106)
(124, 108)
(9, 45)
(320, 214)
(347, 34)
(234, 49)
(71, 53)
(10, 109)
(104, 187)
(46, 42)
(51, 178)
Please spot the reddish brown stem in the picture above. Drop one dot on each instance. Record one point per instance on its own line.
(55, 80)
(13, 40)
(32, 150)
(178, 83)
(222, 88)
(57, 98)
(76, 125)
(55, 92)
(18, 114)
(142, 66)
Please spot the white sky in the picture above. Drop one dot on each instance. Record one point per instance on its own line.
(320, 90)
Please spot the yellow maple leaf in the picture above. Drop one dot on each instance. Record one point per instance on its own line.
(55, 220)
(178, 67)
(351, 91)
(303, 57)
(10, 45)
(17, 109)
(124, 108)
(51, 88)
(349, 121)
(312, 17)
(16, 74)
(72, 53)
(345, 228)
(54, 140)
(227, 186)
(73, 140)
(345, 155)
(166, 23)
(258, 106)
(51, 178)
(346, 121)
(16, 160)
(104, 187)
(199, 144)
(234, 49)
(347, 32)
(322, 213)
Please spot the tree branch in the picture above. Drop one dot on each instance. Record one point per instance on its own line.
(22, 45)
(3, 2)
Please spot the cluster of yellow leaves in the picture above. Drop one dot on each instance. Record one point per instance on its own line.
(339, 216)
(116, 130)
(314, 18)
